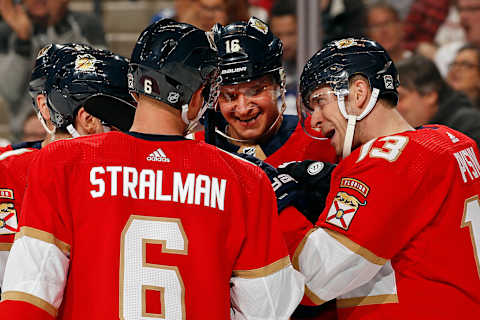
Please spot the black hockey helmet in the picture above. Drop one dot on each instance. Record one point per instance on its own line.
(335, 65)
(43, 65)
(339, 60)
(94, 79)
(247, 51)
(171, 61)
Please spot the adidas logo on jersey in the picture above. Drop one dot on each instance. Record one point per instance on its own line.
(158, 155)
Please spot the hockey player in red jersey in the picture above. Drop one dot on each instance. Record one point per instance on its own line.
(249, 116)
(102, 87)
(399, 236)
(149, 224)
(250, 119)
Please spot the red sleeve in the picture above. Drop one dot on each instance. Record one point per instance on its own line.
(10, 309)
(294, 227)
(264, 243)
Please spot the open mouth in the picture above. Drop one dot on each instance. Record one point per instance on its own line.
(329, 134)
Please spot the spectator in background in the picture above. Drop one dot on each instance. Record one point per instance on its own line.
(5, 127)
(342, 18)
(469, 11)
(385, 27)
(401, 7)
(283, 22)
(26, 28)
(426, 98)
(205, 13)
(32, 128)
(464, 73)
(423, 21)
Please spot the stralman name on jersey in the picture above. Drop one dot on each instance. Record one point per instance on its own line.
(190, 188)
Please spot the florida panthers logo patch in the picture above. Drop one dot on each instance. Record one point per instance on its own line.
(85, 63)
(8, 218)
(259, 25)
(345, 43)
(343, 209)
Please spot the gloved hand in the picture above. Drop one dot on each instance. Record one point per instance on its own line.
(285, 187)
(313, 178)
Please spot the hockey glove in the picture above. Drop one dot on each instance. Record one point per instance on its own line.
(285, 187)
(313, 178)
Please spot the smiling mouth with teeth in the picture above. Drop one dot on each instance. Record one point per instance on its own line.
(246, 121)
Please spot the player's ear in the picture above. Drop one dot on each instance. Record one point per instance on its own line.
(42, 106)
(87, 124)
(195, 104)
(359, 92)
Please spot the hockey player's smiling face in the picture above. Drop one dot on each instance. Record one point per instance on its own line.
(250, 108)
(327, 118)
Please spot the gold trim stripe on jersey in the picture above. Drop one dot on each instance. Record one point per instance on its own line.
(299, 249)
(313, 297)
(354, 247)
(31, 299)
(265, 271)
(5, 246)
(365, 301)
(43, 236)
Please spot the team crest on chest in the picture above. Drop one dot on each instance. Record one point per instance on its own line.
(6, 194)
(343, 210)
(8, 218)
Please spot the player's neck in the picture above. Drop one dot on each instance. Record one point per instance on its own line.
(154, 117)
(381, 123)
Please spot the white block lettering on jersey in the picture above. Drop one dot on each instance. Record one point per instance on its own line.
(129, 184)
(468, 163)
(114, 170)
(218, 193)
(159, 196)
(148, 184)
(202, 186)
(184, 190)
(146, 180)
(97, 182)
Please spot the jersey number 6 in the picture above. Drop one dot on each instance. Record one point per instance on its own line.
(137, 276)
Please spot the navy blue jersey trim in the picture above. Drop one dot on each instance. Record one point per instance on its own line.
(155, 137)
(27, 144)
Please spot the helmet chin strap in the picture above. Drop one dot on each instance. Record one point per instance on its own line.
(44, 124)
(74, 133)
(352, 119)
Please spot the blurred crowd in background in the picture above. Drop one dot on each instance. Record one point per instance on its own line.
(435, 44)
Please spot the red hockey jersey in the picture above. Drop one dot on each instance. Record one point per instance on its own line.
(114, 225)
(297, 147)
(400, 235)
(14, 166)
